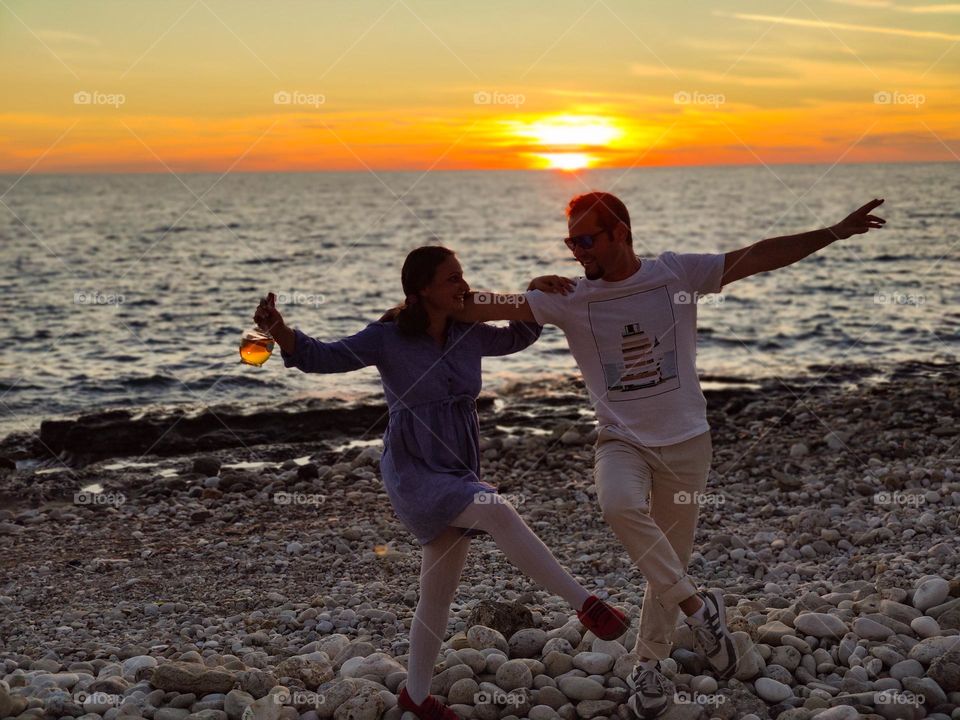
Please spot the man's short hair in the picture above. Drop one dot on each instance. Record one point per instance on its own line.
(609, 208)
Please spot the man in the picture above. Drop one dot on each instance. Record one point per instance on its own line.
(631, 327)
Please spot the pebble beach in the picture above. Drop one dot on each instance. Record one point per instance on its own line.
(272, 581)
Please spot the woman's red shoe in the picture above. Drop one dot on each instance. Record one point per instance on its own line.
(429, 709)
(603, 620)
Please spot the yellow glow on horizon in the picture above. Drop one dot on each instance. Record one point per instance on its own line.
(565, 161)
(571, 130)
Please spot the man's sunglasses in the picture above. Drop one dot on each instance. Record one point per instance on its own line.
(584, 241)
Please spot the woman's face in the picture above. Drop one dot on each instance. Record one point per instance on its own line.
(445, 292)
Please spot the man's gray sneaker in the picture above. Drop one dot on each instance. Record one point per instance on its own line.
(712, 636)
(650, 692)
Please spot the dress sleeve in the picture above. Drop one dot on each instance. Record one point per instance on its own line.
(506, 340)
(350, 353)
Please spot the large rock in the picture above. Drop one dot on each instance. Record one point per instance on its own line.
(593, 663)
(514, 674)
(379, 665)
(311, 673)
(506, 618)
(945, 670)
(926, 651)
(749, 661)
(578, 688)
(482, 637)
(365, 704)
(191, 678)
(527, 643)
(820, 625)
(771, 690)
(931, 592)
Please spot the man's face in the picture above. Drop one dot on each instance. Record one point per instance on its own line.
(602, 256)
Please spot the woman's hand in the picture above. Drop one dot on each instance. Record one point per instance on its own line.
(552, 284)
(266, 316)
(268, 319)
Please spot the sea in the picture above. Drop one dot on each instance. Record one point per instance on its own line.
(132, 291)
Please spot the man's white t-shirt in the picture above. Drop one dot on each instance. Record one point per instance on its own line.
(635, 342)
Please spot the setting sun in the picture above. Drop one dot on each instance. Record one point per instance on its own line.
(566, 141)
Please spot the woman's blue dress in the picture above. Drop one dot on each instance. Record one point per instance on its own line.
(431, 448)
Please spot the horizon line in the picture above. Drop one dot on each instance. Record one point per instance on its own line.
(28, 172)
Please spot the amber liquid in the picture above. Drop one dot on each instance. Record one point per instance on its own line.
(255, 351)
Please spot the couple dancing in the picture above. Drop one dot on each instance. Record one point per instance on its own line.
(631, 326)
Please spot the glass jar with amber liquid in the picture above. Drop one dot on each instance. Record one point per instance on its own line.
(256, 347)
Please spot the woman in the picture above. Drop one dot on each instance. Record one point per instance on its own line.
(430, 369)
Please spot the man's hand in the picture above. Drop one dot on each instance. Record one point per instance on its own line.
(779, 252)
(552, 284)
(859, 221)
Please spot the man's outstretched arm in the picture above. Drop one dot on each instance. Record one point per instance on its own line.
(778, 252)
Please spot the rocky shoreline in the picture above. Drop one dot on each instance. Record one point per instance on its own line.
(268, 578)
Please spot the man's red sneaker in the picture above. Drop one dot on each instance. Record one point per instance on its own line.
(603, 620)
(429, 709)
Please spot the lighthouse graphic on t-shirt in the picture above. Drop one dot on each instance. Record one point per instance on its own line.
(636, 341)
(643, 364)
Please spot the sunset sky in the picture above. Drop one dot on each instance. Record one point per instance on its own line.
(218, 85)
